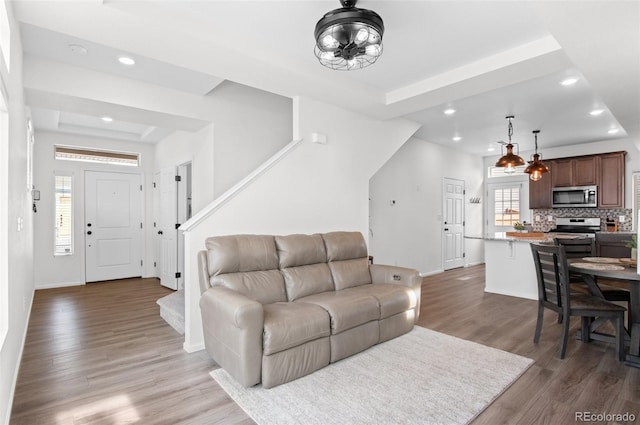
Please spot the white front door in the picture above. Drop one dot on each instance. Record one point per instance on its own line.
(453, 223)
(113, 225)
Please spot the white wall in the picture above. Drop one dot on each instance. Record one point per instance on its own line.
(182, 147)
(409, 233)
(315, 188)
(56, 271)
(17, 248)
(250, 126)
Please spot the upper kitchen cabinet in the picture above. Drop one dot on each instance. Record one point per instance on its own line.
(611, 184)
(585, 171)
(540, 191)
(606, 171)
(561, 173)
(579, 171)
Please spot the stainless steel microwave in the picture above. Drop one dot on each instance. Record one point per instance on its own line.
(575, 197)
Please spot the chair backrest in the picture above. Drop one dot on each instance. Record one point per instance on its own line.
(577, 247)
(553, 276)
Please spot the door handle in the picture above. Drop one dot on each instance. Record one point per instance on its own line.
(89, 232)
(160, 232)
(446, 229)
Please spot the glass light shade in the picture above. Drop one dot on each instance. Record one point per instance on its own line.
(362, 35)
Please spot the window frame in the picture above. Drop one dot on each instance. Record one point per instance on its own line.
(491, 205)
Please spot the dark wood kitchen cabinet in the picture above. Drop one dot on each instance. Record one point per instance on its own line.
(606, 171)
(611, 180)
(540, 191)
(585, 170)
(561, 172)
(578, 171)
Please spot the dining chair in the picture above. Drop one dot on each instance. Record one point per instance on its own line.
(581, 247)
(554, 293)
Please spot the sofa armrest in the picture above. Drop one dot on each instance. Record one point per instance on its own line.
(393, 274)
(399, 276)
(203, 272)
(233, 327)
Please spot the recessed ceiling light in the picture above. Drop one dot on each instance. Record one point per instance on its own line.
(456, 138)
(491, 149)
(126, 60)
(449, 111)
(78, 49)
(569, 81)
(107, 119)
(596, 112)
(613, 131)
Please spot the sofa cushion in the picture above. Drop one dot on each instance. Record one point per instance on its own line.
(300, 250)
(263, 286)
(288, 325)
(307, 280)
(344, 245)
(241, 253)
(392, 299)
(347, 310)
(350, 273)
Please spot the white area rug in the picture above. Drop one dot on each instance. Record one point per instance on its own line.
(423, 377)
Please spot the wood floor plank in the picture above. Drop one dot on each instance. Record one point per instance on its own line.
(101, 354)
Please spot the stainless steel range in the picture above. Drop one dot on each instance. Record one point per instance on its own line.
(577, 226)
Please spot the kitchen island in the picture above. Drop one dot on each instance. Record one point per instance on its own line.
(509, 268)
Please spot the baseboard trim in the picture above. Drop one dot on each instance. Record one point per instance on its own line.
(59, 285)
(192, 348)
(476, 263)
(431, 273)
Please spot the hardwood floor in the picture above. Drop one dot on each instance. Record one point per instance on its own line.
(101, 354)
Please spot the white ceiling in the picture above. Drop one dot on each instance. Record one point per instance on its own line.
(485, 59)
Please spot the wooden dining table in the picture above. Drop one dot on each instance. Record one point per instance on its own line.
(612, 268)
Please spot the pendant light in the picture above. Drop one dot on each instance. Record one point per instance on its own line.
(510, 161)
(349, 37)
(536, 168)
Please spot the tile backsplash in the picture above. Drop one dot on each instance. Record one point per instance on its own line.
(541, 222)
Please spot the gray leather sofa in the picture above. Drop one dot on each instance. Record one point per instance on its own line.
(275, 308)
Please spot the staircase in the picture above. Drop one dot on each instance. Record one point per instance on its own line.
(172, 310)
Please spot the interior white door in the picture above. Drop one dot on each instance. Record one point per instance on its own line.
(184, 213)
(167, 228)
(157, 246)
(113, 225)
(453, 223)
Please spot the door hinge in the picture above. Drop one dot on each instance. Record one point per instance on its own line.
(464, 191)
(141, 225)
(154, 224)
(178, 275)
(178, 178)
(140, 262)
(140, 188)
(155, 264)
(464, 254)
(178, 226)
(154, 185)
(464, 223)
